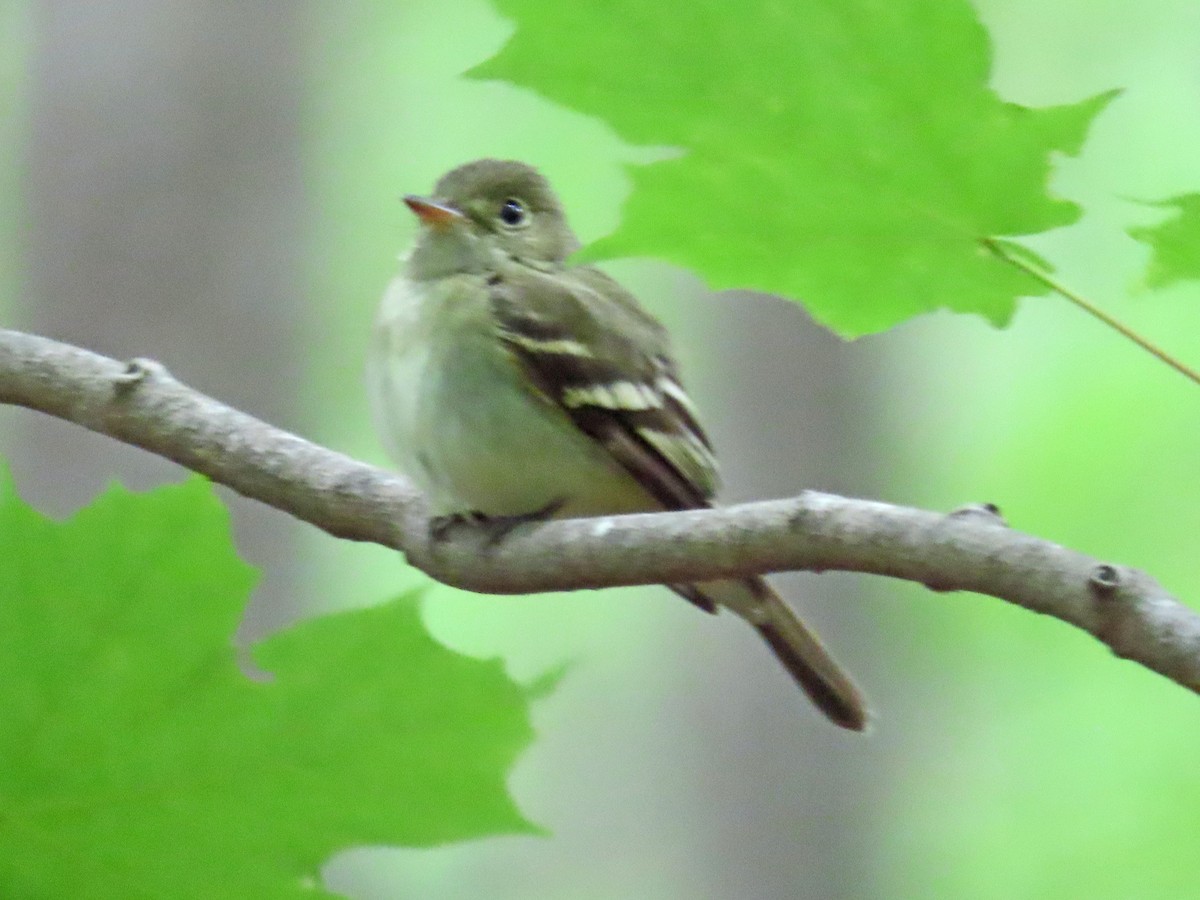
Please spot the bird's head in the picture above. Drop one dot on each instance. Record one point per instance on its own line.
(486, 208)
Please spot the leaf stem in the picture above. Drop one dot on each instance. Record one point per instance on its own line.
(1087, 306)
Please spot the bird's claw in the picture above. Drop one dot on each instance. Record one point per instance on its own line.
(441, 526)
(497, 528)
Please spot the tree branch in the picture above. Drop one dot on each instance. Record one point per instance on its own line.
(970, 549)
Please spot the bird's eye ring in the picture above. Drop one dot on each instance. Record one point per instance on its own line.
(513, 213)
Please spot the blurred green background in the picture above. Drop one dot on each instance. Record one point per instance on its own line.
(217, 186)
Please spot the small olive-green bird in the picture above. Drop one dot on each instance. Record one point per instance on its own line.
(509, 384)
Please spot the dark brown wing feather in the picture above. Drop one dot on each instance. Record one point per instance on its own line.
(623, 391)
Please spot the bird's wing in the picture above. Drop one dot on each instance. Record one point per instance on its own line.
(589, 349)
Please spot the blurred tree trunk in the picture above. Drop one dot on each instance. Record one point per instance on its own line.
(796, 411)
(164, 192)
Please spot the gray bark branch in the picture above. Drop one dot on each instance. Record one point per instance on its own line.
(971, 549)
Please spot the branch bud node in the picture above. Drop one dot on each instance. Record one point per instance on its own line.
(136, 371)
(984, 512)
(1104, 580)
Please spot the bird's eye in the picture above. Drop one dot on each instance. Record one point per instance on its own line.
(512, 212)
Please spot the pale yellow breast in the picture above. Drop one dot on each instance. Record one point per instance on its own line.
(457, 418)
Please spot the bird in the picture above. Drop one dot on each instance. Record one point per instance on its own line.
(511, 385)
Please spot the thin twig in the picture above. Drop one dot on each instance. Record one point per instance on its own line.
(1087, 306)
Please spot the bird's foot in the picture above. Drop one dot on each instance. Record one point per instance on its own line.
(441, 526)
(497, 527)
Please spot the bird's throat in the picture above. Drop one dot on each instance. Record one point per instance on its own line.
(452, 251)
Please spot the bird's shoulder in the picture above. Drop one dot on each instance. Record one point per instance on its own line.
(581, 309)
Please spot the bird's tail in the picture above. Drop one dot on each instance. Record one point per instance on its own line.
(794, 645)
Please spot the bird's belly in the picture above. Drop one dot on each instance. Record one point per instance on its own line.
(496, 448)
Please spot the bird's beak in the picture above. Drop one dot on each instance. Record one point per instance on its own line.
(438, 216)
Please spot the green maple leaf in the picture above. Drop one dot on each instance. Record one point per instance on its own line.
(847, 153)
(136, 760)
(1175, 242)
